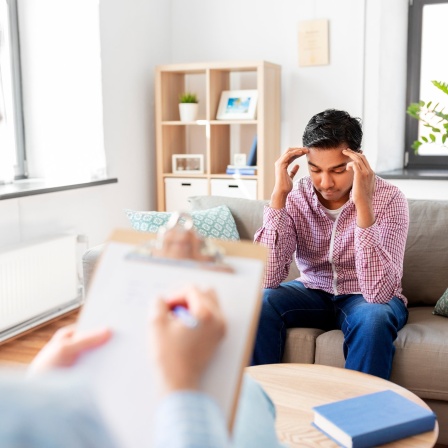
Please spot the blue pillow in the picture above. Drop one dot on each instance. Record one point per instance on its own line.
(214, 222)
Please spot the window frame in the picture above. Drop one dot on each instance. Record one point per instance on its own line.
(415, 20)
(15, 67)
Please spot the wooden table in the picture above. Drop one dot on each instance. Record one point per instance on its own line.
(297, 388)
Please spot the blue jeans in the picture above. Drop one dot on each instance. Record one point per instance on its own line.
(370, 329)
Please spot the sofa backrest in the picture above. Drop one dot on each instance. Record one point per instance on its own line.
(425, 271)
(425, 276)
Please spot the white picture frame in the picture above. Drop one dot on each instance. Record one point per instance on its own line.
(240, 159)
(188, 163)
(238, 105)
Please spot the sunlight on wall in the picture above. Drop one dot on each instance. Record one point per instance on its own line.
(61, 66)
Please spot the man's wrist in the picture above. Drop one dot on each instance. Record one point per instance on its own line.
(365, 217)
(278, 200)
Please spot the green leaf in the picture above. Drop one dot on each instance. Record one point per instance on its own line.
(432, 137)
(425, 139)
(429, 104)
(421, 103)
(416, 145)
(441, 115)
(188, 97)
(435, 130)
(443, 86)
(444, 138)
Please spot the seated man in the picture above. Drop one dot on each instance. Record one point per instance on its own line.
(348, 230)
(53, 409)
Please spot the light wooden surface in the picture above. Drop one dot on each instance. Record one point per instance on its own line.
(24, 348)
(297, 388)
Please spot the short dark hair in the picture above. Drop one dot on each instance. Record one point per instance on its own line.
(332, 128)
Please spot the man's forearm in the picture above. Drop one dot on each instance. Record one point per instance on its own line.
(278, 200)
(365, 216)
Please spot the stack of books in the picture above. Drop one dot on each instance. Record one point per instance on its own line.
(244, 170)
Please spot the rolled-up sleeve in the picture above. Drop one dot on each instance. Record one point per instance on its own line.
(278, 235)
(379, 252)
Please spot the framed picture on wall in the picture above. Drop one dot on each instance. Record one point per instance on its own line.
(238, 105)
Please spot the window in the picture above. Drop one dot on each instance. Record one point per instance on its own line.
(427, 61)
(51, 92)
(12, 155)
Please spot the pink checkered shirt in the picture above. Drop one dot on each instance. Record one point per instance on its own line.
(338, 257)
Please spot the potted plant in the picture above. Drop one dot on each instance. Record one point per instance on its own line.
(433, 117)
(188, 106)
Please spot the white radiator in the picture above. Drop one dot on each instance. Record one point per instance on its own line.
(38, 281)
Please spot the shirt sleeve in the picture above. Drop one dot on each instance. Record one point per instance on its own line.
(188, 419)
(279, 235)
(379, 252)
(52, 410)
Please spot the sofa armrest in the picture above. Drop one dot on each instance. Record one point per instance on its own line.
(89, 260)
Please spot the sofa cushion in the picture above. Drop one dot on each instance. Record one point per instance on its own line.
(247, 213)
(425, 270)
(301, 346)
(216, 222)
(441, 307)
(421, 357)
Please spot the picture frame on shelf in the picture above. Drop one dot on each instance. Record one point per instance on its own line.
(239, 159)
(238, 105)
(188, 163)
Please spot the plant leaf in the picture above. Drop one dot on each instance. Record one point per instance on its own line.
(425, 139)
(432, 137)
(444, 138)
(416, 145)
(443, 86)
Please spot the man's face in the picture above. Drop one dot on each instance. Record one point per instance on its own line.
(331, 179)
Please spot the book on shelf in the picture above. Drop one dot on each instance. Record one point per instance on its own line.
(372, 419)
(243, 170)
(252, 157)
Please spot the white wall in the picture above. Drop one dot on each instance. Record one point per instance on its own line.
(267, 30)
(135, 37)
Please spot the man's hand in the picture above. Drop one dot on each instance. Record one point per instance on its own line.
(183, 353)
(363, 187)
(284, 179)
(65, 347)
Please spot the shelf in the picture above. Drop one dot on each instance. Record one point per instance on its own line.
(232, 176)
(193, 176)
(207, 122)
(217, 140)
(218, 122)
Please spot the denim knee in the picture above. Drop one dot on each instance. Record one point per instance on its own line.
(374, 318)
